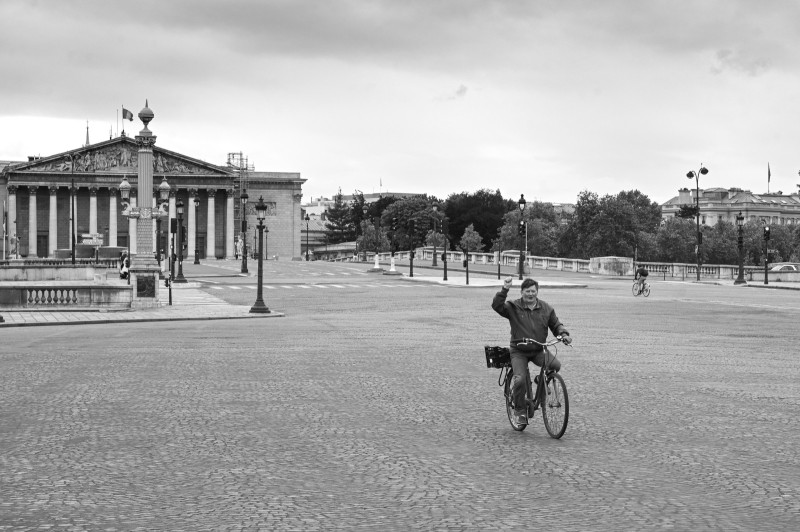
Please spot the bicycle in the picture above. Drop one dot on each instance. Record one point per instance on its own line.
(551, 392)
(643, 289)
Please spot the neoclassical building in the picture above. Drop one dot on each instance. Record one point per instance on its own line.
(718, 204)
(36, 197)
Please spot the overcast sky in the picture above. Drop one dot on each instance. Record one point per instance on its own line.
(542, 98)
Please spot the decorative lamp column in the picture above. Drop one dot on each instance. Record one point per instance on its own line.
(521, 204)
(243, 199)
(307, 220)
(434, 208)
(196, 218)
(180, 278)
(696, 176)
(261, 212)
(446, 247)
(364, 232)
(163, 199)
(144, 270)
(73, 192)
(739, 226)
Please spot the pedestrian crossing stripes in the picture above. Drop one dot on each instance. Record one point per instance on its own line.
(311, 286)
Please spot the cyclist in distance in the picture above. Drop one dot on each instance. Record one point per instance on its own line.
(641, 276)
(529, 317)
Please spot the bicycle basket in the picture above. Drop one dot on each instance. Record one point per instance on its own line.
(497, 356)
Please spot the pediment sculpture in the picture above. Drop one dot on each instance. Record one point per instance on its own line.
(117, 158)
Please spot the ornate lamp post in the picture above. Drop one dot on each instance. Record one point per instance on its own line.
(435, 208)
(180, 278)
(499, 250)
(364, 210)
(196, 212)
(307, 219)
(163, 196)
(261, 212)
(444, 253)
(243, 199)
(739, 224)
(521, 204)
(696, 176)
(125, 197)
(137, 212)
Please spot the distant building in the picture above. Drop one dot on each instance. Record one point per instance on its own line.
(319, 206)
(36, 197)
(721, 204)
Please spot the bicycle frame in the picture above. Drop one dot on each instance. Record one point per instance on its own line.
(550, 391)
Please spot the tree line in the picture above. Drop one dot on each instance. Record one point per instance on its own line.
(627, 224)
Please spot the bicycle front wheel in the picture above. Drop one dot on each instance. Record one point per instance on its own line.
(555, 407)
(646, 290)
(635, 289)
(510, 405)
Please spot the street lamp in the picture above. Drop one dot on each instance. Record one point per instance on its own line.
(125, 197)
(307, 219)
(180, 278)
(521, 204)
(444, 253)
(243, 199)
(364, 210)
(434, 207)
(72, 199)
(261, 212)
(163, 196)
(696, 176)
(739, 224)
(499, 249)
(142, 212)
(196, 212)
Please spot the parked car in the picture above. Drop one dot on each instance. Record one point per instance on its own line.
(785, 268)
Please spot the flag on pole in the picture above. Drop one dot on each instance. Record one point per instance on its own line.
(127, 114)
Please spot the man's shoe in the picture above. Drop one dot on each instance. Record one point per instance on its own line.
(520, 417)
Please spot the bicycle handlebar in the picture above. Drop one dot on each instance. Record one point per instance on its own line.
(552, 342)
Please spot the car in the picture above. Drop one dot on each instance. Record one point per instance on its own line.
(785, 268)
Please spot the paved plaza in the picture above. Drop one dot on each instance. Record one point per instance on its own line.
(365, 404)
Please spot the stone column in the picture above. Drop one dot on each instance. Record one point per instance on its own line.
(112, 217)
(32, 229)
(191, 241)
(132, 227)
(12, 221)
(229, 224)
(210, 228)
(144, 266)
(52, 231)
(93, 210)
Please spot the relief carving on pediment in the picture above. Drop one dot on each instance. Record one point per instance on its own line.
(119, 158)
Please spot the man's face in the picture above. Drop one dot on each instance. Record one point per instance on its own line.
(529, 294)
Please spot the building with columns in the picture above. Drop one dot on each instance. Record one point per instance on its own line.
(723, 204)
(36, 197)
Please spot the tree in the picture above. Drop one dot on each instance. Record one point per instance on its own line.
(471, 240)
(484, 210)
(339, 224)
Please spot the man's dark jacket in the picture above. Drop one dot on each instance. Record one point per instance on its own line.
(525, 322)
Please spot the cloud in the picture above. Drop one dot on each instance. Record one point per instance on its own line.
(459, 93)
(739, 62)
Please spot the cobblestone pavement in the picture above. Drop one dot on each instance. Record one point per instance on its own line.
(367, 409)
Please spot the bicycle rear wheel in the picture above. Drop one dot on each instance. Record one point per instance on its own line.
(635, 288)
(646, 290)
(510, 405)
(555, 407)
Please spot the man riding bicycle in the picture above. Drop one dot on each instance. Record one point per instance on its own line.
(529, 317)
(641, 276)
